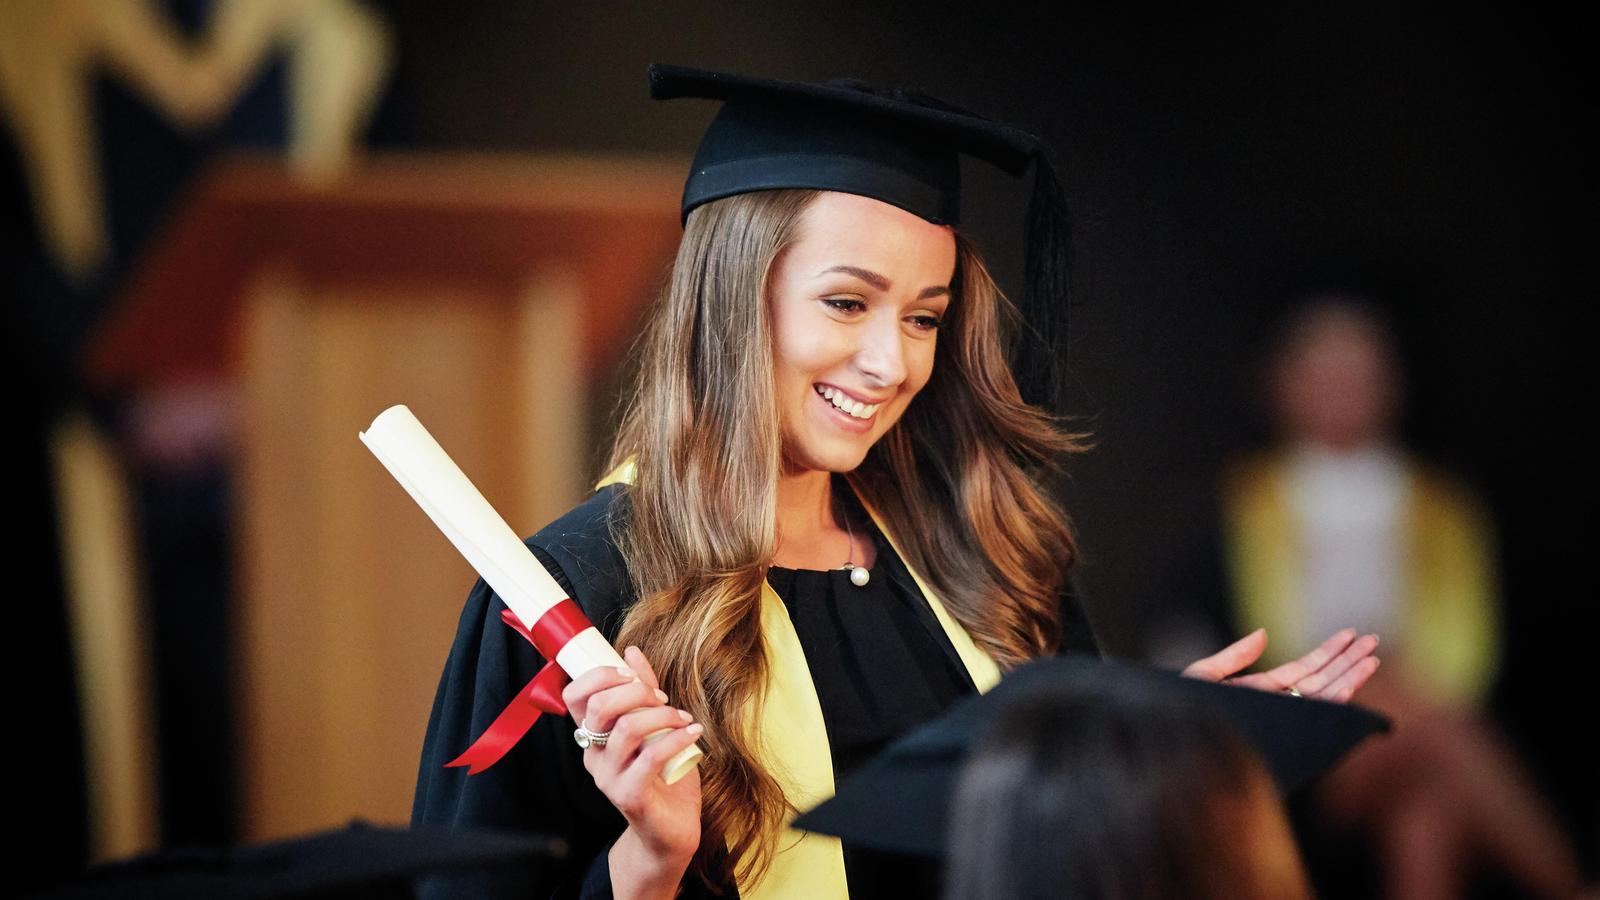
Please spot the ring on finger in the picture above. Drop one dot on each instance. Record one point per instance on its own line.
(1293, 691)
(587, 738)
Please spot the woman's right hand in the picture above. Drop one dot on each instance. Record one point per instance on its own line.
(663, 819)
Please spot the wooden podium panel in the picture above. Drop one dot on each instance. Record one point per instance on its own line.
(489, 296)
(352, 592)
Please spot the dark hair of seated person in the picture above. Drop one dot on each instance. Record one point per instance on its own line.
(1119, 791)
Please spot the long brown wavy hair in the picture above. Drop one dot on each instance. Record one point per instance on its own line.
(969, 462)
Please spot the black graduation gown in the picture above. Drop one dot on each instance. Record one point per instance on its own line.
(541, 784)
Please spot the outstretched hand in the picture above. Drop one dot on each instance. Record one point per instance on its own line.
(1333, 671)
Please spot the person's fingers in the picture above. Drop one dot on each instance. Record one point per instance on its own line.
(1291, 673)
(607, 706)
(635, 657)
(1351, 681)
(1260, 681)
(1319, 683)
(655, 753)
(630, 732)
(578, 691)
(1230, 659)
(658, 751)
(1340, 690)
(607, 761)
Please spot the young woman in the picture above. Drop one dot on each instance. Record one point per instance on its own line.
(827, 517)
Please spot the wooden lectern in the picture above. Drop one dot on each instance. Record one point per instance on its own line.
(491, 296)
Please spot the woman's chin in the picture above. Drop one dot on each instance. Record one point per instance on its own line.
(832, 459)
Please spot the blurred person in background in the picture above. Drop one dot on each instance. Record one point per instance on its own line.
(1338, 523)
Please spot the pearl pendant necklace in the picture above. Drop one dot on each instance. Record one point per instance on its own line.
(858, 575)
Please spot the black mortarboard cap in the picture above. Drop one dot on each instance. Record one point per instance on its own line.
(360, 861)
(899, 146)
(1297, 738)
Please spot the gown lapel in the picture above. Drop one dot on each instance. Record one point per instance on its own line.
(792, 737)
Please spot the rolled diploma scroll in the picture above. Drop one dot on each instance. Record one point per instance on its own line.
(456, 506)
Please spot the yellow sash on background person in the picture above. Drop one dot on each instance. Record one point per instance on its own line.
(792, 739)
(1448, 620)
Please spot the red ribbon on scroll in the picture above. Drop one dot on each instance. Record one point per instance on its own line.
(558, 625)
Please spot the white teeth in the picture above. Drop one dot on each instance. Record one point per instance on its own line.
(843, 403)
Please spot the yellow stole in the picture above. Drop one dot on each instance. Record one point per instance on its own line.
(793, 740)
(1449, 624)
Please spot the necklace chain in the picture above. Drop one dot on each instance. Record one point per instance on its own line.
(858, 575)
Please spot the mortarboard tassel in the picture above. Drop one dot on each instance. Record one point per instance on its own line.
(1039, 349)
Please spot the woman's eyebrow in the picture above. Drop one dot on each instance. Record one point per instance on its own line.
(882, 283)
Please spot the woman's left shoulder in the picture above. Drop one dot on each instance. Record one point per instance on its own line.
(581, 544)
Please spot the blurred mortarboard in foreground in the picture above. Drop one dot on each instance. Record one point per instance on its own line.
(896, 145)
(899, 802)
(359, 861)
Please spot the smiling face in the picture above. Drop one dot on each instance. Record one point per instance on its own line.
(856, 300)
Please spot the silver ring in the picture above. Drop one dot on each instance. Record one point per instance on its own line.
(587, 738)
(1293, 691)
